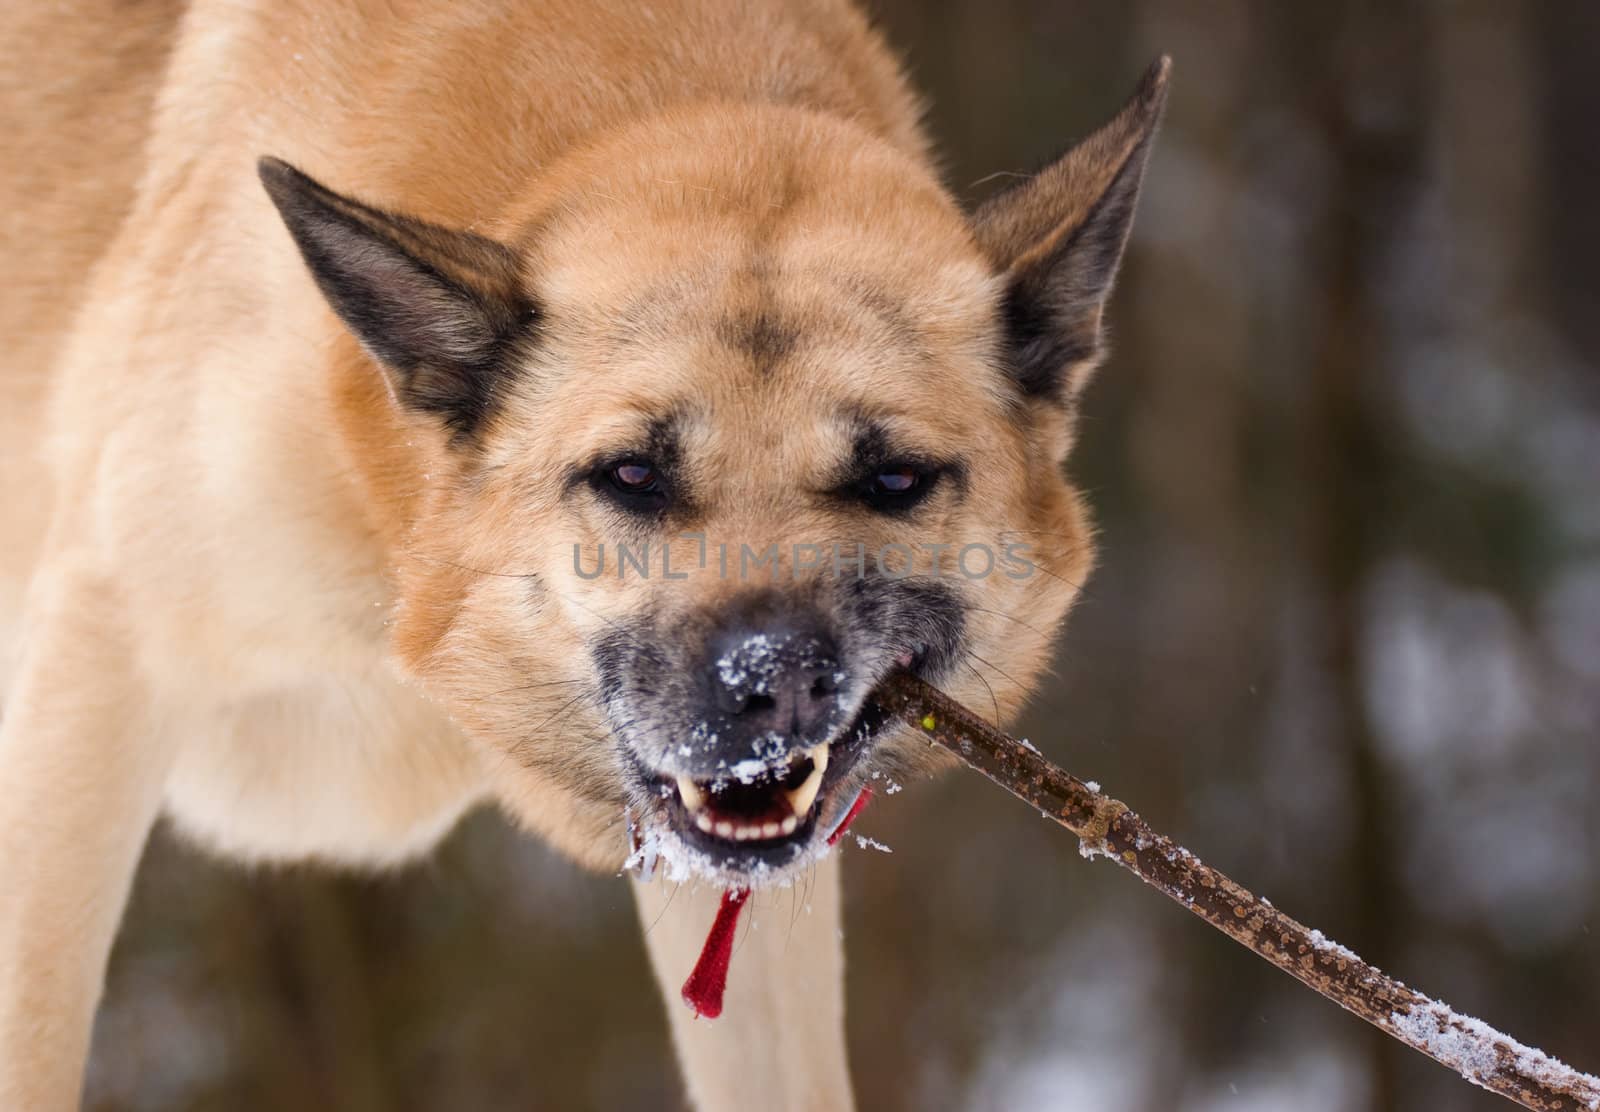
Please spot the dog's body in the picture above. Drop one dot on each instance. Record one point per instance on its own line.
(268, 573)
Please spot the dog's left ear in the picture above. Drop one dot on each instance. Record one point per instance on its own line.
(1058, 238)
(439, 309)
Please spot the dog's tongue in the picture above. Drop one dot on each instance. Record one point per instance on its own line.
(708, 981)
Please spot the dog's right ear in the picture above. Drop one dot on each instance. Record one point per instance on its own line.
(441, 310)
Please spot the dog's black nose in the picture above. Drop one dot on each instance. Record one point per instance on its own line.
(779, 683)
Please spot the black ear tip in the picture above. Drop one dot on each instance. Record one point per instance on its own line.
(282, 181)
(272, 169)
(276, 175)
(1153, 85)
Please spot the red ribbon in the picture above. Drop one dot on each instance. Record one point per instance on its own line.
(703, 990)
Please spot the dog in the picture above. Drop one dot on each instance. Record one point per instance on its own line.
(574, 406)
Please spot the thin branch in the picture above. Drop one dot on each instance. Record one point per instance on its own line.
(1107, 828)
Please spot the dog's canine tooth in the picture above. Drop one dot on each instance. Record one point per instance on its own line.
(801, 799)
(692, 799)
(819, 756)
(703, 821)
(787, 826)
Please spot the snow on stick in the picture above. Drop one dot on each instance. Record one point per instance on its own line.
(1107, 828)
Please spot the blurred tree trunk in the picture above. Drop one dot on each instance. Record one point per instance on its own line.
(1365, 96)
(1571, 174)
(1183, 369)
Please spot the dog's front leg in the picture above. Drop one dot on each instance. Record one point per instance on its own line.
(779, 1042)
(81, 774)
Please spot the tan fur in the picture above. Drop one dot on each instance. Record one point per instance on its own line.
(241, 585)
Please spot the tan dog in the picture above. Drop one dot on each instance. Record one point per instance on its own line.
(637, 401)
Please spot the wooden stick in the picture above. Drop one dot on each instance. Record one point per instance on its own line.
(1108, 828)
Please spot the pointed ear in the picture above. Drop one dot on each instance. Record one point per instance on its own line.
(441, 310)
(1058, 237)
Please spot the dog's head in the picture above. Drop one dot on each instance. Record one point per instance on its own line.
(732, 415)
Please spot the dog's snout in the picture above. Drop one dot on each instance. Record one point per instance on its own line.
(779, 681)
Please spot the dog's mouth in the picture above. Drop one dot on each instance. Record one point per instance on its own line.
(760, 816)
(767, 807)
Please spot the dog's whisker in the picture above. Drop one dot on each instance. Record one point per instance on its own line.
(996, 668)
(979, 675)
(525, 687)
(533, 734)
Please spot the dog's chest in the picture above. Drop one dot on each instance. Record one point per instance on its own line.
(356, 768)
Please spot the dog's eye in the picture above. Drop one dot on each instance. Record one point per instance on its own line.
(901, 480)
(636, 478)
(635, 485)
(898, 487)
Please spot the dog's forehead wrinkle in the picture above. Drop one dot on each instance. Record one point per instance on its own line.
(765, 295)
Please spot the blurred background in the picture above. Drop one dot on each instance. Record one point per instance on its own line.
(1344, 641)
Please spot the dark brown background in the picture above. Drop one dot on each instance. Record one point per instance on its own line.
(1344, 642)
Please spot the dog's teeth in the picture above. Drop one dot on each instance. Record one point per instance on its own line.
(787, 825)
(771, 830)
(801, 799)
(703, 821)
(741, 833)
(690, 794)
(724, 829)
(819, 757)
